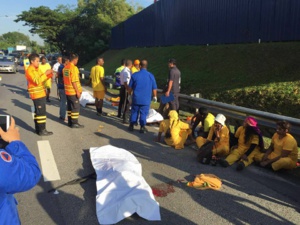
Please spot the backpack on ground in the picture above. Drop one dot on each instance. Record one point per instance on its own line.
(204, 153)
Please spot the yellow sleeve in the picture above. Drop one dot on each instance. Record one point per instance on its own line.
(238, 132)
(184, 126)
(224, 135)
(289, 144)
(36, 76)
(74, 74)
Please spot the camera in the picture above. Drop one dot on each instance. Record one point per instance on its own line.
(4, 124)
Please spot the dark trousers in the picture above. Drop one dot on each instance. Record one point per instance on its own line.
(139, 110)
(174, 105)
(73, 106)
(123, 104)
(39, 114)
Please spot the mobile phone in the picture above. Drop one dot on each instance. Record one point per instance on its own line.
(4, 122)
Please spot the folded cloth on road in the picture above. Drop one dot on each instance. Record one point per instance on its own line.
(121, 189)
(154, 116)
(86, 98)
(206, 181)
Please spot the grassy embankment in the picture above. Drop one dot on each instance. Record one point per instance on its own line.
(258, 76)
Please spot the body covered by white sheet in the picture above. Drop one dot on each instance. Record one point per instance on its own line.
(154, 116)
(86, 98)
(121, 189)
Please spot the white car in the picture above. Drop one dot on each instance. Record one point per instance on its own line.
(7, 64)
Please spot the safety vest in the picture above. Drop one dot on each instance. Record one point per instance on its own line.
(71, 75)
(36, 79)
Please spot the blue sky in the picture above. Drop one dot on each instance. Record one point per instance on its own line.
(11, 8)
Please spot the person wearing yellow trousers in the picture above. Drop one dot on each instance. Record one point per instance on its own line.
(282, 153)
(219, 133)
(176, 132)
(35, 81)
(249, 140)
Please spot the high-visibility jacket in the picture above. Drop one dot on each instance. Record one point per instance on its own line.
(71, 75)
(36, 79)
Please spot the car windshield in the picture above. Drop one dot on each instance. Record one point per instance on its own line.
(6, 59)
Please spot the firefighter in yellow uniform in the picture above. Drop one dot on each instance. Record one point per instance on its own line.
(35, 79)
(178, 131)
(219, 133)
(249, 140)
(73, 91)
(282, 153)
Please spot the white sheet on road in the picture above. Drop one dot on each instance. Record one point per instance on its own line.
(86, 98)
(121, 189)
(154, 116)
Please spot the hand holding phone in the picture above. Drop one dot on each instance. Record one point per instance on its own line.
(9, 132)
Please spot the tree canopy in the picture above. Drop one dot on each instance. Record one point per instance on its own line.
(85, 29)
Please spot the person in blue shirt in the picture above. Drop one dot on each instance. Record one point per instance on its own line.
(61, 89)
(19, 172)
(141, 86)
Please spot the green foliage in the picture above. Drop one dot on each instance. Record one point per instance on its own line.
(84, 30)
(11, 39)
(259, 76)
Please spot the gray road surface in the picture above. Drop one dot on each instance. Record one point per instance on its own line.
(254, 196)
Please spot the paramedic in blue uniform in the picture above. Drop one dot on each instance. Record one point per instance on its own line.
(141, 87)
(19, 172)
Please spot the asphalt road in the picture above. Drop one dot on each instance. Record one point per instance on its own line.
(253, 196)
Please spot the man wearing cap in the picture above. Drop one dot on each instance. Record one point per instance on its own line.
(219, 133)
(173, 85)
(136, 66)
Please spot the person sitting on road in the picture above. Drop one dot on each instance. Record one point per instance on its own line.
(176, 132)
(219, 133)
(282, 153)
(249, 139)
(207, 120)
(19, 172)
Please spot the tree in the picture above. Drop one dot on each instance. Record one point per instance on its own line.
(15, 38)
(84, 30)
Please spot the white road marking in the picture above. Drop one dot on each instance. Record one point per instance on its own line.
(49, 168)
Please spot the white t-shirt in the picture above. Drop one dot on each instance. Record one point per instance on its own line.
(125, 75)
(56, 66)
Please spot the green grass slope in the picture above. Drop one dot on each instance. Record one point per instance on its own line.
(260, 76)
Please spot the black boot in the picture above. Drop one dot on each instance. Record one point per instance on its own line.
(45, 133)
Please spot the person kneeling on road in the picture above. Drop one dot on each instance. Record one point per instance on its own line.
(176, 132)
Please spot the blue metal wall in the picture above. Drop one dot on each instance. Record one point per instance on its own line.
(198, 22)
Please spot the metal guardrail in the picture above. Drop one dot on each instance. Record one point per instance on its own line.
(235, 114)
